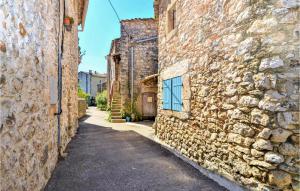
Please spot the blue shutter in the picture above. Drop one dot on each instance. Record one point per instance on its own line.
(177, 94)
(167, 102)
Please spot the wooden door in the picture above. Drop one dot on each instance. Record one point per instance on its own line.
(149, 104)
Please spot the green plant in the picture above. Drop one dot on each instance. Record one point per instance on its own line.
(82, 94)
(109, 116)
(101, 101)
(129, 111)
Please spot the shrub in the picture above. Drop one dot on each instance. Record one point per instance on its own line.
(128, 112)
(101, 100)
(82, 94)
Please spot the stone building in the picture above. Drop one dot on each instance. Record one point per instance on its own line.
(36, 123)
(228, 89)
(92, 82)
(132, 65)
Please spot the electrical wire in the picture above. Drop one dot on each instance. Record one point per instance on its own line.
(115, 11)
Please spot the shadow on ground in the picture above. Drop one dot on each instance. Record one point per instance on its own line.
(100, 158)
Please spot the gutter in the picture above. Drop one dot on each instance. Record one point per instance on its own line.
(84, 13)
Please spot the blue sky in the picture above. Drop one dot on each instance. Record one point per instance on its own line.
(102, 26)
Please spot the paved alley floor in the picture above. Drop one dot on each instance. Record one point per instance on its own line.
(103, 158)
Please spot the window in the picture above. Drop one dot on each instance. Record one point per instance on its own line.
(172, 22)
(172, 94)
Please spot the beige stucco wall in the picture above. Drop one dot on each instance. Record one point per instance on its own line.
(241, 115)
(95, 80)
(28, 58)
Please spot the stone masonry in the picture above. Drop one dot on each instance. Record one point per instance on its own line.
(239, 60)
(145, 58)
(29, 32)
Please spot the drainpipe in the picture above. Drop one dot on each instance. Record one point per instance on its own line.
(132, 62)
(59, 82)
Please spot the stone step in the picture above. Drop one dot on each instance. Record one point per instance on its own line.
(116, 114)
(115, 110)
(116, 117)
(118, 120)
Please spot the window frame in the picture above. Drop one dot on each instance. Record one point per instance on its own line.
(172, 19)
(171, 95)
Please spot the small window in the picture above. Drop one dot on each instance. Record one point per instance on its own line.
(172, 19)
(172, 94)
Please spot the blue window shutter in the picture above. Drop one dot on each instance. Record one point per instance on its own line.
(167, 96)
(177, 94)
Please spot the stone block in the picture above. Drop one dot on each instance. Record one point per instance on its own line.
(243, 130)
(288, 120)
(279, 178)
(274, 158)
(288, 149)
(248, 101)
(271, 63)
(280, 135)
(262, 144)
(265, 133)
(258, 117)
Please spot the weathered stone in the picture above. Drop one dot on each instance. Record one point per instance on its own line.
(280, 135)
(256, 153)
(279, 178)
(271, 63)
(243, 130)
(271, 106)
(2, 47)
(288, 120)
(290, 169)
(290, 3)
(263, 26)
(248, 45)
(274, 158)
(274, 96)
(235, 138)
(248, 101)
(262, 144)
(262, 81)
(288, 149)
(265, 133)
(22, 29)
(258, 117)
(296, 186)
(262, 164)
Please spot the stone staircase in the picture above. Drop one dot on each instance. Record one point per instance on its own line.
(116, 116)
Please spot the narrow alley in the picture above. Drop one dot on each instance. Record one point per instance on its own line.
(103, 158)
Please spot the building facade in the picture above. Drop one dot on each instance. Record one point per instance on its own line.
(92, 82)
(38, 118)
(228, 88)
(131, 63)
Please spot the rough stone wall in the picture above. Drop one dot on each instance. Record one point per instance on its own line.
(28, 58)
(243, 78)
(145, 55)
(81, 107)
(69, 117)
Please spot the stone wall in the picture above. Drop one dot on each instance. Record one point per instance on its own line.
(242, 115)
(81, 107)
(145, 55)
(28, 57)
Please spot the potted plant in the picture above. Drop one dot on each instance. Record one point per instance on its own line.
(68, 22)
